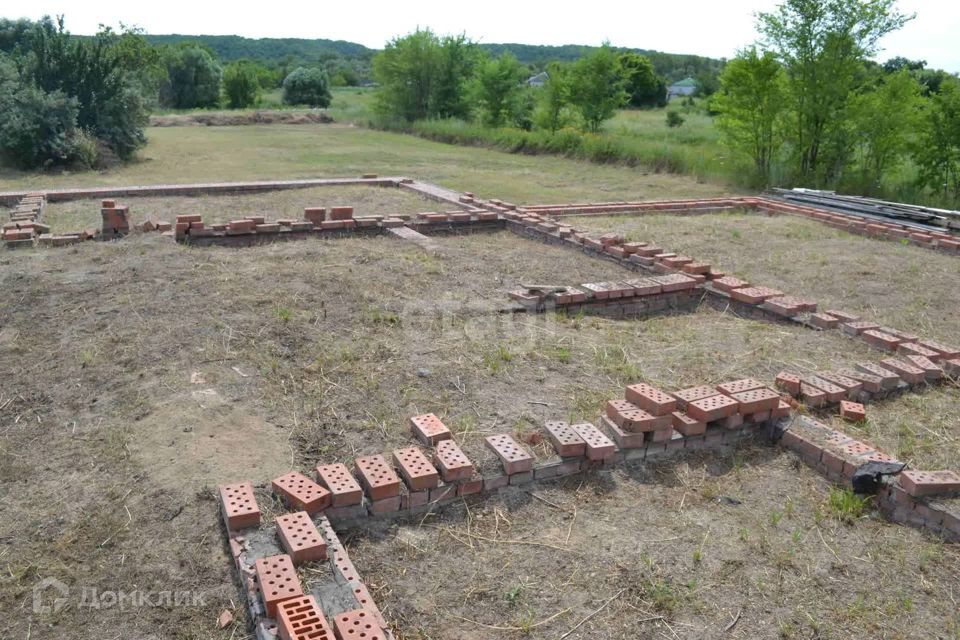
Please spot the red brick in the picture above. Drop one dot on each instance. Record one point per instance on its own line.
(736, 386)
(907, 371)
(341, 213)
(316, 215)
(789, 306)
(344, 489)
(108, 204)
(712, 408)
(265, 228)
(757, 400)
(928, 483)
(240, 226)
(660, 435)
(782, 411)
(675, 282)
(693, 393)
(824, 321)
(193, 217)
(650, 399)
(624, 439)
(514, 458)
(682, 423)
(754, 295)
(888, 379)
(676, 262)
(300, 538)
(632, 418)
(377, 477)
(470, 486)
(948, 353)
(729, 283)
(842, 316)
(856, 328)
(812, 396)
(881, 340)
(912, 348)
(358, 625)
(416, 469)
(278, 581)
(849, 385)
(697, 268)
(832, 391)
(599, 290)
(566, 441)
(452, 463)
(951, 367)
(300, 492)
(852, 411)
(649, 251)
(332, 224)
(789, 382)
(869, 382)
(256, 220)
(239, 506)
(302, 619)
(599, 446)
(644, 286)
(930, 370)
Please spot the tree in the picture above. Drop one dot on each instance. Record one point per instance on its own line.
(309, 86)
(554, 97)
(241, 84)
(643, 86)
(884, 120)
(193, 78)
(497, 87)
(751, 105)
(822, 45)
(596, 87)
(938, 148)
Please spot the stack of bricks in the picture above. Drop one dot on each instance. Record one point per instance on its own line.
(604, 293)
(765, 298)
(832, 453)
(25, 222)
(115, 220)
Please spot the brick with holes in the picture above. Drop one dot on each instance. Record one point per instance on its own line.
(623, 439)
(278, 581)
(650, 399)
(513, 457)
(856, 328)
(754, 295)
(359, 624)
(931, 370)
(782, 410)
(693, 393)
(736, 386)
(302, 619)
(833, 392)
(947, 352)
(675, 282)
(300, 492)
(377, 477)
(888, 379)
(910, 373)
(344, 489)
(788, 306)
(684, 424)
(951, 367)
(914, 349)
(712, 408)
(729, 283)
(851, 386)
(565, 440)
(812, 396)
(300, 538)
(632, 418)
(644, 286)
(599, 446)
(415, 469)
(869, 383)
(929, 483)
(428, 429)
(823, 321)
(852, 411)
(452, 463)
(756, 400)
(842, 316)
(789, 382)
(239, 506)
(880, 340)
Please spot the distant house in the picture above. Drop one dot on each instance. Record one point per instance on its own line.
(538, 80)
(683, 88)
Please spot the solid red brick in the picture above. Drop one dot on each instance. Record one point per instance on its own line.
(712, 408)
(697, 268)
(514, 458)
(193, 217)
(341, 213)
(452, 463)
(682, 423)
(756, 400)
(852, 411)
(632, 418)
(377, 477)
(416, 469)
(824, 321)
(676, 262)
(566, 441)
(360, 624)
(240, 226)
(239, 506)
(928, 483)
(256, 220)
(789, 382)
(737, 386)
(754, 295)
(650, 399)
(300, 492)
(108, 204)
(693, 393)
(277, 580)
(729, 283)
(300, 538)
(344, 489)
(951, 367)
(316, 215)
(302, 619)
(907, 371)
(599, 446)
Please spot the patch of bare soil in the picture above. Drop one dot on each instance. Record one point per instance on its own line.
(735, 545)
(232, 119)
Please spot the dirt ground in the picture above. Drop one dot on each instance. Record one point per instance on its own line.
(366, 201)
(144, 373)
(736, 545)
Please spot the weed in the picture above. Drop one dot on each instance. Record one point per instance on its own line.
(513, 595)
(660, 591)
(284, 314)
(846, 505)
(776, 517)
(494, 359)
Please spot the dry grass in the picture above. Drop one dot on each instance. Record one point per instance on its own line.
(366, 201)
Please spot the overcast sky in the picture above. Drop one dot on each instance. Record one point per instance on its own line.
(715, 28)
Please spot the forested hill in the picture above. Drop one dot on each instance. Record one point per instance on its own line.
(228, 48)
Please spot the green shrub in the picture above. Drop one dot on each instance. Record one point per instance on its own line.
(193, 79)
(307, 86)
(241, 85)
(674, 119)
(37, 128)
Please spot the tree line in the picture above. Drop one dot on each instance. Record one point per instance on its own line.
(808, 107)
(424, 76)
(84, 101)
